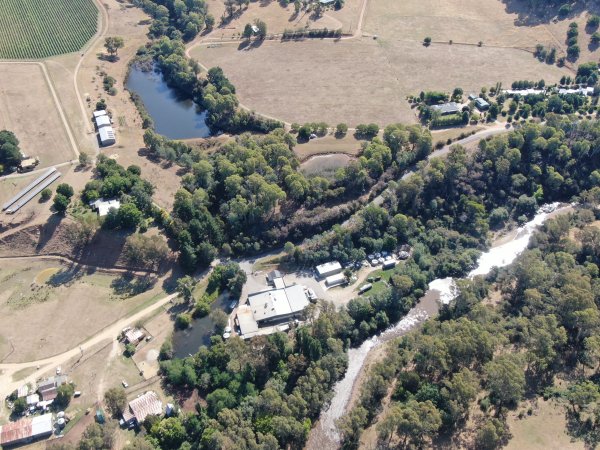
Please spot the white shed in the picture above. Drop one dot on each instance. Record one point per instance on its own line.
(107, 136)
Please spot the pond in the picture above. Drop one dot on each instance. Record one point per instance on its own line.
(187, 342)
(174, 117)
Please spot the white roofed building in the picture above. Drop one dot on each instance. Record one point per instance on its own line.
(103, 121)
(103, 206)
(328, 269)
(270, 307)
(107, 136)
(100, 113)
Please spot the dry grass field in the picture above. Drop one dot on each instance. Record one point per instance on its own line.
(28, 109)
(365, 79)
(546, 429)
(47, 307)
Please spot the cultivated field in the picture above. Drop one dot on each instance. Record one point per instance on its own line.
(33, 29)
(367, 80)
(48, 307)
(28, 109)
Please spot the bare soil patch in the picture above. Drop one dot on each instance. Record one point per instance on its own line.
(28, 109)
(42, 320)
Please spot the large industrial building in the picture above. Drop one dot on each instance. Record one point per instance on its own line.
(269, 308)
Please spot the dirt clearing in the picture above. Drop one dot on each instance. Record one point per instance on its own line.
(74, 303)
(28, 109)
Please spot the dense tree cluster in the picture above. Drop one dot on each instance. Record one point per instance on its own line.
(10, 154)
(178, 19)
(545, 326)
(114, 181)
(247, 196)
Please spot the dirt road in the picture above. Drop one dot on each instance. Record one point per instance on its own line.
(8, 385)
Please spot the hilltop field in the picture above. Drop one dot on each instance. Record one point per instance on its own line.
(366, 75)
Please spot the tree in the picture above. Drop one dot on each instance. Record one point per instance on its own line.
(183, 321)
(414, 422)
(427, 41)
(19, 406)
(10, 155)
(45, 194)
(185, 287)
(129, 216)
(64, 393)
(505, 379)
(340, 130)
(352, 424)
(84, 159)
(169, 432)
(581, 394)
(61, 203)
(262, 29)
(65, 190)
(130, 350)
(491, 435)
(145, 251)
(116, 400)
(113, 44)
(247, 34)
(220, 319)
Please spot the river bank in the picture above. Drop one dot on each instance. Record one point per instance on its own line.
(502, 253)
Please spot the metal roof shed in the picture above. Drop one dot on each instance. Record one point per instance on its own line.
(103, 121)
(107, 136)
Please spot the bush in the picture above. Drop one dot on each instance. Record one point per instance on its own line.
(340, 130)
(61, 203)
(130, 350)
(45, 195)
(183, 321)
(65, 190)
(427, 41)
(564, 10)
(116, 400)
(63, 395)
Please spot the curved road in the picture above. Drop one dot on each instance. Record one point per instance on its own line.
(8, 385)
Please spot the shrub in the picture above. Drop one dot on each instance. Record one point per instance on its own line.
(65, 190)
(341, 129)
(45, 195)
(61, 203)
(183, 321)
(427, 41)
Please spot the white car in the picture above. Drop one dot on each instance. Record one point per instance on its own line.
(125, 384)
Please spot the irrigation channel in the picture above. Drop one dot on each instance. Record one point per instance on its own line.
(174, 117)
(443, 290)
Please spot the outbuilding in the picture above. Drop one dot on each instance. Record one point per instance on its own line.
(25, 430)
(328, 269)
(389, 264)
(481, 104)
(106, 136)
(103, 121)
(100, 113)
(335, 280)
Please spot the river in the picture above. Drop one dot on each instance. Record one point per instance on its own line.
(173, 117)
(325, 435)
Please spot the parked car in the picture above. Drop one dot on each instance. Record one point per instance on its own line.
(381, 260)
(374, 262)
(125, 384)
